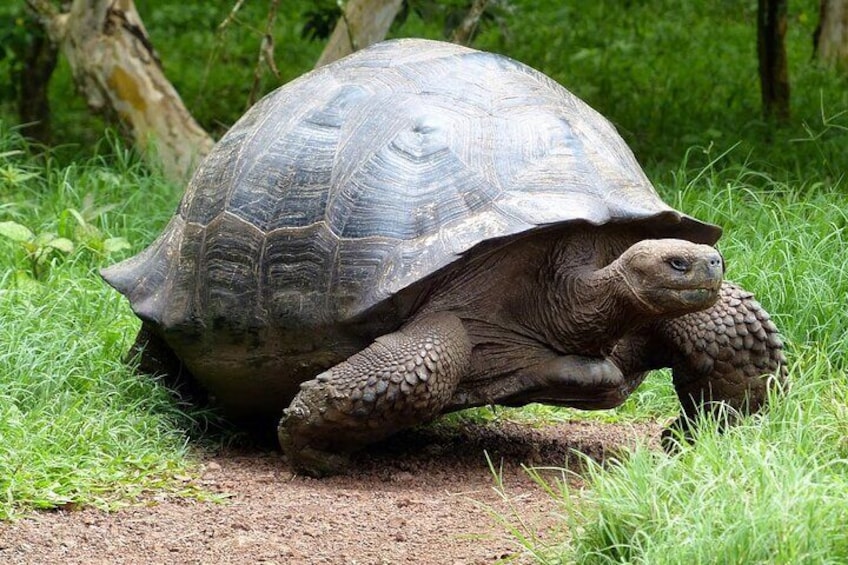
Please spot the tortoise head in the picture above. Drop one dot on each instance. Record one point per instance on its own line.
(670, 277)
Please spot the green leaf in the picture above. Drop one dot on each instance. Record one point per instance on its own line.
(87, 233)
(22, 280)
(63, 244)
(15, 176)
(44, 238)
(114, 244)
(16, 231)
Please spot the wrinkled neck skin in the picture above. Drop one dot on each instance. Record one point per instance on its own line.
(585, 304)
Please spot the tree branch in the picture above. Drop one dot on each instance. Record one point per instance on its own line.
(51, 19)
(464, 33)
(266, 54)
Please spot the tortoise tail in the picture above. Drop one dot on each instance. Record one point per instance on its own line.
(143, 279)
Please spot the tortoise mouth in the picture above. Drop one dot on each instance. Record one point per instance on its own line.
(684, 299)
(707, 285)
(700, 294)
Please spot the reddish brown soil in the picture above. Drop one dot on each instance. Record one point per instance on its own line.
(428, 496)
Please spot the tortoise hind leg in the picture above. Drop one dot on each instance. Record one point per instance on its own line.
(156, 358)
(402, 379)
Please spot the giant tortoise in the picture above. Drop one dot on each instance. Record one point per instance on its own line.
(420, 228)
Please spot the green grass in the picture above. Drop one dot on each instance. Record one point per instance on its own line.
(771, 490)
(77, 426)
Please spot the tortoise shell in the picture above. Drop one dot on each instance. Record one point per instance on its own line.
(339, 190)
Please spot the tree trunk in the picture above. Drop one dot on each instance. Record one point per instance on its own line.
(39, 57)
(831, 36)
(363, 23)
(771, 46)
(115, 68)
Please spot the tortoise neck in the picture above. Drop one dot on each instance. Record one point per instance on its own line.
(585, 307)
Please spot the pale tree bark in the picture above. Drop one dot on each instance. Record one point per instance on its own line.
(831, 37)
(115, 68)
(771, 47)
(363, 23)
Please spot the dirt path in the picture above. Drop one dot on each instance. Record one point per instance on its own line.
(425, 497)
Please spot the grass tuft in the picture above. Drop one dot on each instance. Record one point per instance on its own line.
(77, 426)
(771, 490)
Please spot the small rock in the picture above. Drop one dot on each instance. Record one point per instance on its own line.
(285, 550)
(243, 540)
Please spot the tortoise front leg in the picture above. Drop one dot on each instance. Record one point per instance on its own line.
(725, 355)
(402, 379)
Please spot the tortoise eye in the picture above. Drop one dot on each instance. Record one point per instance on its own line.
(679, 264)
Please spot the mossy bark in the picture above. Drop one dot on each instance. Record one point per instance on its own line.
(117, 70)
